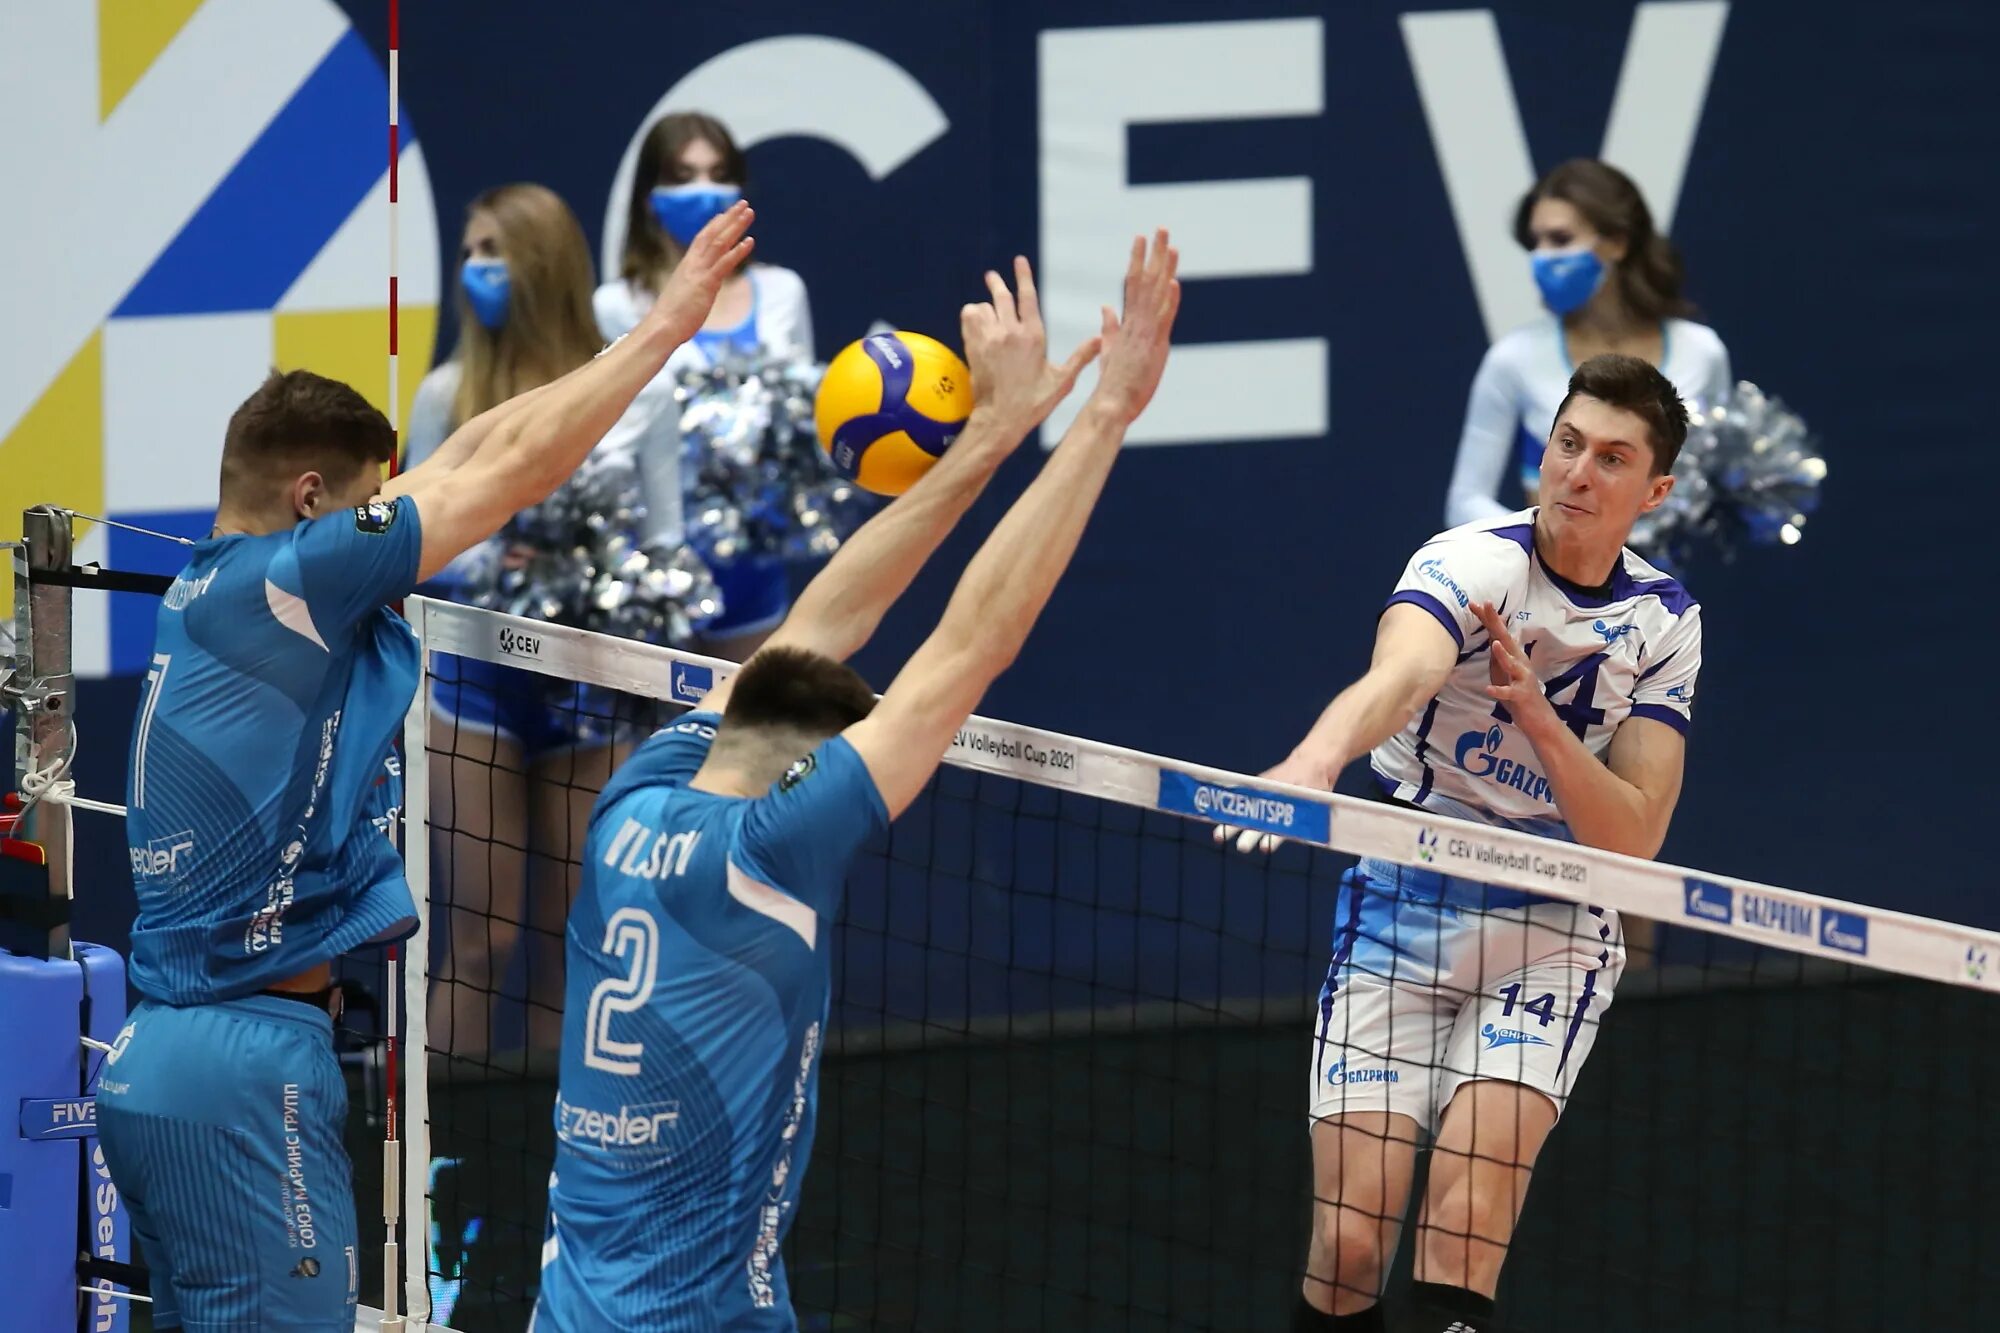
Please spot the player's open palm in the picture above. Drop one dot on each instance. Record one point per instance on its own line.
(1007, 348)
(1512, 676)
(717, 251)
(1136, 342)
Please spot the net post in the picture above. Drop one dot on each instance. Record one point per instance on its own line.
(14, 662)
(416, 974)
(45, 740)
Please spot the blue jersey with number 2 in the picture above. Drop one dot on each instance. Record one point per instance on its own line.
(696, 1004)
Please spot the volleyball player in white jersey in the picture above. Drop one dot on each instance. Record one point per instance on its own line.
(1529, 672)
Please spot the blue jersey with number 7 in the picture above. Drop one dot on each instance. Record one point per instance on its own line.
(695, 1008)
(258, 787)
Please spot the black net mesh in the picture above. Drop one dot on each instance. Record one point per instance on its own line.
(1067, 1076)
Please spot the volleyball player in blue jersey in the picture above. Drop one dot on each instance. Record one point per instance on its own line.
(697, 952)
(260, 791)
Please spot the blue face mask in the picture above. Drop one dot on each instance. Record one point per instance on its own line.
(683, 210)
(1567, 278)
(486, 286)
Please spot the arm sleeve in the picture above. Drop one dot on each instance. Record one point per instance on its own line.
(1484, 446)
(785, 323)
(803, 835)
(351, 562)
(1446, 576)
(1665, 689)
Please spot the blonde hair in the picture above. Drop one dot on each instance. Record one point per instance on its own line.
(549, 330)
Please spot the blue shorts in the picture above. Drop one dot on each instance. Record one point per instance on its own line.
(221, 1124)
(756, 593)
(539, 713)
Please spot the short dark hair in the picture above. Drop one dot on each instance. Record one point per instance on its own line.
(1637, 387)
(297, 422)
(797, 690)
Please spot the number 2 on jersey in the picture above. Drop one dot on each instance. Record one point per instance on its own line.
(632, 935)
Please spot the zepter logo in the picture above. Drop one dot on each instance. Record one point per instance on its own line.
(210, 195)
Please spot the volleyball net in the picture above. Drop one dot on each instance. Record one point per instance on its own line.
(1073, 1041)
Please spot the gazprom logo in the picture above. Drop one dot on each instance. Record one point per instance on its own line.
(690, 684)
(1710, 902)
(1478, 753)
(1845, 931)
(1434, 570)
(1776, 914)
(1339, 1075)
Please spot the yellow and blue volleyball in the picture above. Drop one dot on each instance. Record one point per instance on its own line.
(889, 406)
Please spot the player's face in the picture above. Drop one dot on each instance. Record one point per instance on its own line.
(1597, 471)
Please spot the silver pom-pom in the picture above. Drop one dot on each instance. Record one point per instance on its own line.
(578, 558)
(1749, 474)
(756, 481)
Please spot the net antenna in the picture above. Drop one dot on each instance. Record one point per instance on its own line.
(392, 1153)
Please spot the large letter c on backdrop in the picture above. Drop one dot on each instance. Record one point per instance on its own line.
(821, 87)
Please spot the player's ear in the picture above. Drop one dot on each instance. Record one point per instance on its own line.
(309, 495)
(1662, 487)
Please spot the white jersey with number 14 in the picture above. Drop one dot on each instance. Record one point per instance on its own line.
(1629, 649)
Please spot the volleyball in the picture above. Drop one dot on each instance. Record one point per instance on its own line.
(888, 407)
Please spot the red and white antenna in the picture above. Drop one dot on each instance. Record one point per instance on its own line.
(392, 1188)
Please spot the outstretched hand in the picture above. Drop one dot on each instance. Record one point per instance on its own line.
(1136, 342)
(718, 250)
(1295, 771)
(1006, 347)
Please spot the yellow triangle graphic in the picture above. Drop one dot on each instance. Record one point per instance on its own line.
(130, 36)
(55, 455)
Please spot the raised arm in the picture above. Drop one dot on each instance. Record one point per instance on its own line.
(1623, 802)
(1413, 656)
(1014, 388)
(1009, 581)
(526, 453)
(457, 447)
